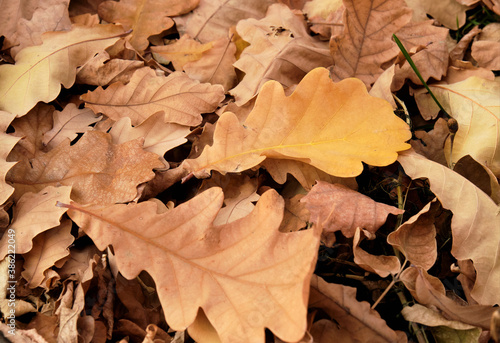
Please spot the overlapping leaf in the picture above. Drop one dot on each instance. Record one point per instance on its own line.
(330, 126)
(216, 268)
(40, 70)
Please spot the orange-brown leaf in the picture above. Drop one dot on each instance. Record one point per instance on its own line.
(236, 272)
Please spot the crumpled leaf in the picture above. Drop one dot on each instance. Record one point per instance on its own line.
(144, 17)
(321, 123)
(98, 170)
(450, 13)
(477, 112)
(40, 70)
(335, 207)
(431, 144)
(68, 123)
(367, 40)
(159, 136)
(35, 213)
(382, 265)
(428, 290)
(182, 99)
(475, 224)
(212, 19)
(283, 56)
(256, 276)
(102, 70)
(296, 214)
(7, 143)
(423, 315)
(416, 238)
(180, 52)
(48, 248)
(356, 320)
(485, 49)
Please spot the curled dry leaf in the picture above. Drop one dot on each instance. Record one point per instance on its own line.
(428, 290)
(416, 238)
(380, 264)
(98, 170)
(68, 123)
(367, 39)
(48, 248)
(430, 144)
(212, 19)
(182, 99)
(475, 224)
(245, 275)
(335, 207)
(424, 315)
(485, 49)
(180, 52)
(356, 320)
(35, 213)
(477, 111)
(450, 13)
(7, 143)
(144, 17)
(284, 54)
(331, 126)
(479, 175)
(40, 70)
(296, 214)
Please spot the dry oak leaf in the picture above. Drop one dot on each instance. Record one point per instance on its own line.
(159, 137)
(182, 51)
(416, 238)
(102, 70)
(335, 207)
(429, 291)
(68, 123)
(475, 104)
(216, 65)
(144, 17)
(332, 126)
(296, 214)
(450, 13)
(212, 19)
(34, 213)
(423, 315)
(475, 224)
(431, 144)
(485, 49)
(357, 322)
(382, 265)
(182, 99)
(284, 54)
(367, 43)
(98, 170)
(40, 70)
(48, 248)
(7, 143)
(235, 272)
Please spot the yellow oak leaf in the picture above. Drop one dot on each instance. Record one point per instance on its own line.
(332, 126)
(40, 70)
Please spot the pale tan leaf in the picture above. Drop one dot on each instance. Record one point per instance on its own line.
(212, 19)
(335, 207)
(98, 170)
(431, 144)
(256, 276)
(475, 106)
(68, 123)
(450, 13)
(356, 320)
(424, 315)
(159, 136)
(35, 213)
(7, 143)
(284, 54)
(71, 306)
(48, 248)
(301, 127)
(367, 39)
(215, 65)
(481, 176)
(52, 18)
(382, 87)
(382, 265)
(296, 214)
(40, 70)
(182, 99)
(102, 70)
(144, 17)
(416, 238)
(475, 223)
(459, 50)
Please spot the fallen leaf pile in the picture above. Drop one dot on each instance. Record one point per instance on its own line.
(249, 171)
